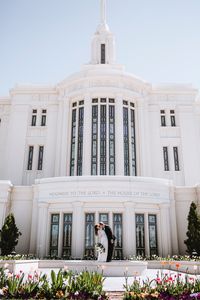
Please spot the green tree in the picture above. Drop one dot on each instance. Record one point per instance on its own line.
(193, 233)
(9, 235)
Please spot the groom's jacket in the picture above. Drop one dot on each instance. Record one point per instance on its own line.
(109, 233)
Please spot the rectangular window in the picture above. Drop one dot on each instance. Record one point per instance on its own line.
(73, 143)
(54, 234)
(103, 140)
(94, 155)
(140, 238)
(165, 157)
(172, 118)
(162, 116)
(176, 160)
(80, 142)
(153, 235)
(133, 144)
(34, 117)
(103, 53)
(67, 236)
(44, 117)
(126, 142)
(40, 157)
(117, 231)
(89, 235)
(111, 140)
(103, 217)
(81, 102)
(30, 158)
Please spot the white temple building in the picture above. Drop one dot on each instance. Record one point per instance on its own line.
(102, 145)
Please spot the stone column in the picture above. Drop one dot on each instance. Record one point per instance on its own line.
(87, 136)
(165, 230)
(129, 241)
(42, 229)
(119, 141)
(78, 230)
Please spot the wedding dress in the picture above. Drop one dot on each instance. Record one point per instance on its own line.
(102, 239)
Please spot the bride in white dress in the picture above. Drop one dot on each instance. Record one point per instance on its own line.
(103, 240)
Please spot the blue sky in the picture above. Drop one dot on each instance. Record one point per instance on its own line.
(44, 41)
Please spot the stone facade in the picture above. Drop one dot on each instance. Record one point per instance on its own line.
(157, 181)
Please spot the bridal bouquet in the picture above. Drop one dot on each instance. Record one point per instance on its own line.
(100, 248)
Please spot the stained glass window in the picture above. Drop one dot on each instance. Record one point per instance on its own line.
(126, 142)
(103, 140)
(89, 234)
(140, 238)
(73, 142)
(67, 235)
(30, 158)
(117, 231)
(54, 234)
(153, 235)
(94, 155)
(111, 140)
(176, 160)
(80, 141)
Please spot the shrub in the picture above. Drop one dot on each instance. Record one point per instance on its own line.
(193, 232)
(9, 235)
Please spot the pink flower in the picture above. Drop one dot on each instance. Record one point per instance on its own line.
(191, 278)
(170, 279)
(17, 276)
(30, 276)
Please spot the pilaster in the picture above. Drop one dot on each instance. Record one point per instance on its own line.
(165, 229)
(129, 241)
(174, 233)
(42, 228)
(87, 136)
(119, 142)
(65, 145)
(59, 138)
(142, 138)
(78, 230)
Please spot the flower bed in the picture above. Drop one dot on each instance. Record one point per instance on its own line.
(64, 285)
(166, 287)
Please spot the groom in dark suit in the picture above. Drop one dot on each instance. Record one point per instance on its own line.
(111, 239)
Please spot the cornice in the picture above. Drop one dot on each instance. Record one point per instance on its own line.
(5, 100)
(33, 89)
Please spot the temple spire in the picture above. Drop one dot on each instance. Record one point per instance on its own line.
(103, 11)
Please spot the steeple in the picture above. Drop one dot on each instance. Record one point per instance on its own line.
(103, 43)
(103, 11)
